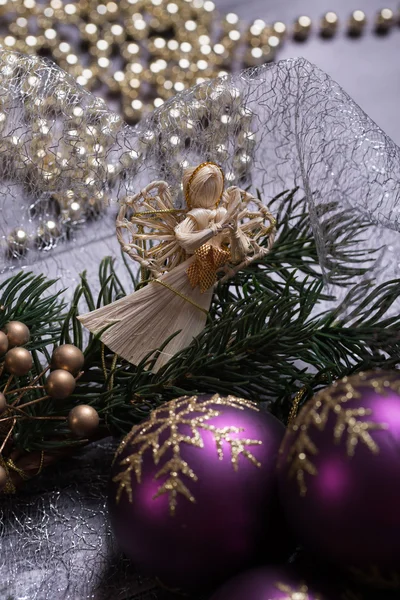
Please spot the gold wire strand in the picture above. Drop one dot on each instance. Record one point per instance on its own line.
(41, 464)
(9, 487)
(13, 467)
(113, 365)
(103, 361)
(169, 287)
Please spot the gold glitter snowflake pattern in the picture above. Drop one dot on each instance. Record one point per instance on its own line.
(170, 418)
(350, 423)
(300, 593)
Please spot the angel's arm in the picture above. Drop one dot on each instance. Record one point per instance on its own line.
(245, 249)
(190, 239)
(255, 219)
(240, 244)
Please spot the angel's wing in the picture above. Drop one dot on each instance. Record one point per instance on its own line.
(145, 229)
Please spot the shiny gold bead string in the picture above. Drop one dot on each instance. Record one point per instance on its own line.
(137, 54)
(145, 51)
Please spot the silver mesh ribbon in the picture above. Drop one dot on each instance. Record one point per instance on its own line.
(65, 161)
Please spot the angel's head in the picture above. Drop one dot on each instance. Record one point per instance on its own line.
(203, 185)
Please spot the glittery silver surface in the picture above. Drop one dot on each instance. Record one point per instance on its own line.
(56, 542)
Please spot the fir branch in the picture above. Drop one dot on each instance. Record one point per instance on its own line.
(267, 337)
(25, 297)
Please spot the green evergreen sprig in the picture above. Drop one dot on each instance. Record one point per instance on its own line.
(269, 334)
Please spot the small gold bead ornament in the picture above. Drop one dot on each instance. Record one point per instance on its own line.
(357, 23)
(302, 28)
(83, 420)
(69, 358)
(329, 24)
(60, 384)
(18, 334)
(18, 361)
(3, 343)
(384, 20)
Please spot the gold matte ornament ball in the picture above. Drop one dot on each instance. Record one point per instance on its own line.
(3, 403)
(18, 334)
(18, 361)
(3, 478)
(60, 384)
(83, 420)
(69, 358)
(3, 343)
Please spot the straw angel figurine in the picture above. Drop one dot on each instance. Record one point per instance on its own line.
(180, 253)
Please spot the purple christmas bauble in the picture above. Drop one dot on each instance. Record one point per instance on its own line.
(339, 472)
(267, 583)
(193, 493)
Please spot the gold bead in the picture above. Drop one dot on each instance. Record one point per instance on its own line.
(100, 48)
(232, 39)
(3, 343)
(47, 234)
(257, 32)
(258, 56)
(18, 242)
(273, 43)
(18, 333)
(28, 8)
(279, 29)
(18, 361)
(357, 23)
(83, 420)
(69, 358)
(60, 384)
(230, 21)
(302, 28)
(130, 51)
(3, 478)
(49, 37)
(114, 33)
(329, 24)
(156, 45)
(137, 27)
(71, 13)
(20, 27)
(3, 403)
(384, 20)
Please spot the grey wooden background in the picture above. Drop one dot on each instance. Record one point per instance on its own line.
(368, 68)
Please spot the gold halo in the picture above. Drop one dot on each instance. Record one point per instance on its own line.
(193, 175)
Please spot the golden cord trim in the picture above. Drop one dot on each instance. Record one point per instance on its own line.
(41, 463)
(104, 366)
(9, 487)
(165, 211)
(13, 467)
(169, 287)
